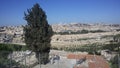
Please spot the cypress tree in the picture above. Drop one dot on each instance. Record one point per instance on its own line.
(38, 33)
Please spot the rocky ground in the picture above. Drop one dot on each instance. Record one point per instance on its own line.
(62, 63)
(28, 58)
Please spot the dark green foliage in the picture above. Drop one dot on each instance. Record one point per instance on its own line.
(7, 63)
(84, 31)
(79, 32)
(37, 31)
(84, 39)
(114, 62)
(43, 57)
(90, 48)
(116, 38)
(111, 47)
(117, 29)
(97, 31)
(5, 50)
(71, 32)
(114, 44)
(107, 36)
(12, 47)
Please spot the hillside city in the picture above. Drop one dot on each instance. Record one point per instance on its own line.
(14, 34)
(65, 44)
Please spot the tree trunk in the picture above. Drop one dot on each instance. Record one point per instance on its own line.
(43, 58)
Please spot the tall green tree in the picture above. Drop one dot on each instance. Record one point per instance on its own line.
(38, 32)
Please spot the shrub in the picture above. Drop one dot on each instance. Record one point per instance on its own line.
(12, 47)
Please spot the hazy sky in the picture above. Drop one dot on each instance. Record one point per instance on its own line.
(62, 11)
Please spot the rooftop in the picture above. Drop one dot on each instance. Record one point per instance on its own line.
(88, 61)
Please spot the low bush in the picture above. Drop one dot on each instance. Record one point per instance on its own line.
(12, 47)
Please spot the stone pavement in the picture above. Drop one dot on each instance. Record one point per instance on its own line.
(62, 63)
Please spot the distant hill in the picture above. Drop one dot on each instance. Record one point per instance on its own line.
(78, 27)
(66, 34)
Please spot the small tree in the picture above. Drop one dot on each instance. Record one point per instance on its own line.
(38, 32)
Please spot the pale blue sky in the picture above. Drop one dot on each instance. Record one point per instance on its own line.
(65, 11)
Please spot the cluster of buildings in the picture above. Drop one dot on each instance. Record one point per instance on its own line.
(74, 27)
(11, 34)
